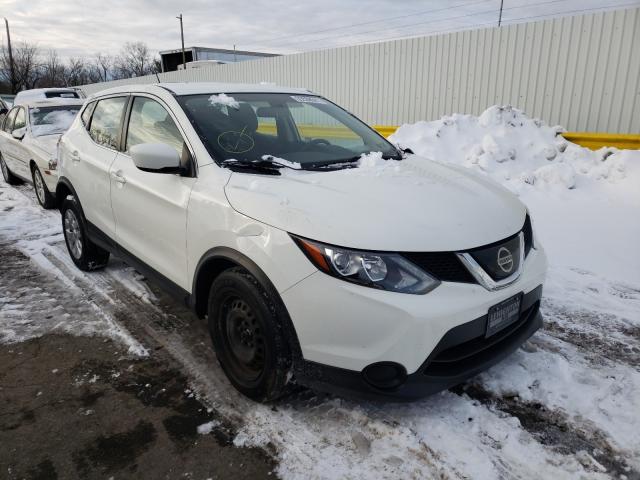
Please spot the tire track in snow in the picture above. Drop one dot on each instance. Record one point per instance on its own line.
(554, 429)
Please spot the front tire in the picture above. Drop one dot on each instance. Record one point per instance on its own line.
(9, 177)
(246, 330)
(85, 254)
(45, 199)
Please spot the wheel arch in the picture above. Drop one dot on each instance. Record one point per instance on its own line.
(63, 190)
(217, 260)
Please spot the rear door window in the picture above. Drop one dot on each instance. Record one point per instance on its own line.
(107, 120)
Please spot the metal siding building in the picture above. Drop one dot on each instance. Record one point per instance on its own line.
(582, 72)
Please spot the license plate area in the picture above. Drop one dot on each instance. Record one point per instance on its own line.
(503, 314)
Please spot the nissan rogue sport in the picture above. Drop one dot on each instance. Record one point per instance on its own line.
(319, 253)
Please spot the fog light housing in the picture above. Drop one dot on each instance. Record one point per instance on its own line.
(385, 375)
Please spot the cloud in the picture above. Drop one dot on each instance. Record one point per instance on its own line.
(82, 28)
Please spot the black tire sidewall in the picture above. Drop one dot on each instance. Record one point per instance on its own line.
(11, 179)
(93, 257)
(271, 382)
(48, 198)
(71, 204)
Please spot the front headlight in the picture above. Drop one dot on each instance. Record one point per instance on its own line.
(386, 271)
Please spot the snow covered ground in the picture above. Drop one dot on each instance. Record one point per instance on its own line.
(563, 406)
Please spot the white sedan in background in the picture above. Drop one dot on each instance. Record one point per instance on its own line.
(28, 142)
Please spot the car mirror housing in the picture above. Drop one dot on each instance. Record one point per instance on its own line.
(19, 133)
(155, 157)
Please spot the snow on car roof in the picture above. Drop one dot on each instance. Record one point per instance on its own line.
(194, 88)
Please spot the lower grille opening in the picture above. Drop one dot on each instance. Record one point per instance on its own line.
(465, 356)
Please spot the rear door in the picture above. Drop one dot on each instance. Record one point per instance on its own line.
(150, 208)
(88, 153)
(20, 151)
(12, 149)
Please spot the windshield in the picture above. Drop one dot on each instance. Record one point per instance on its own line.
(52, 120)
(303, 129)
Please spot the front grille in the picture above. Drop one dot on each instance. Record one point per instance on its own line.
(445, 266)
(499, 260)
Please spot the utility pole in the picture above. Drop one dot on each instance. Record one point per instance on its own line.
(11, 65)
(234, 53)
(500, 17)
(184, 58)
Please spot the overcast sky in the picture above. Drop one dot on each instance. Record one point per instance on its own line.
(84, 27)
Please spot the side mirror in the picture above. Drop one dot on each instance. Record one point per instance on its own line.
(19, 133)
(3, 110)
(155, 157)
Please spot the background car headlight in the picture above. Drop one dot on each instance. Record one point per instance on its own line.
(386, 271)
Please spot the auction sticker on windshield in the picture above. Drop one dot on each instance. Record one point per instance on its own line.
(307, 99)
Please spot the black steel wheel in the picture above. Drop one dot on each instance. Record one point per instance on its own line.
(245, 323)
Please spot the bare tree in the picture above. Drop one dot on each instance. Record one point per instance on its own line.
(134, 60)
(77, 72)
(26, 64)
(103, 65)
(52, 71)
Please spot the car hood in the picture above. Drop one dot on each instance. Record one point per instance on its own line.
(411, 205)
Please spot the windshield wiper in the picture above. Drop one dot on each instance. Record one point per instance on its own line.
(266, 166)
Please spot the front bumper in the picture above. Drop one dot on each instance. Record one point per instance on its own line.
(344, 328)
(462, 353)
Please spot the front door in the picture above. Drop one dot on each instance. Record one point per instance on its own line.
(150, 208)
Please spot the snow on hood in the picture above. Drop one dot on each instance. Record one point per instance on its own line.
(513, 149)
(408, 205)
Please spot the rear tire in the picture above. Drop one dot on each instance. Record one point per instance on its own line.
(246, 330)
(9, 177)
(45, 198)
(85, 254)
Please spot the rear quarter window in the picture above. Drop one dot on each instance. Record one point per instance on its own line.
(86, 114)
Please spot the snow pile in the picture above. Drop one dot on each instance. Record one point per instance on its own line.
(515, 150)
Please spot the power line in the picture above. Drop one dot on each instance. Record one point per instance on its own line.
(297, 35)
(468, 27)
(428, 22)
(492, 11)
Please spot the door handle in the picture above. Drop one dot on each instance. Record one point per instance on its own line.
(118, 177)
(75, 156)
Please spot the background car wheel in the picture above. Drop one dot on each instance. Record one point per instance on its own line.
(9, 177)
(84, 253)
(45, 199)
(247, 334)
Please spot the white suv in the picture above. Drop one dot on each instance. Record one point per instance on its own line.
(316, 249)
